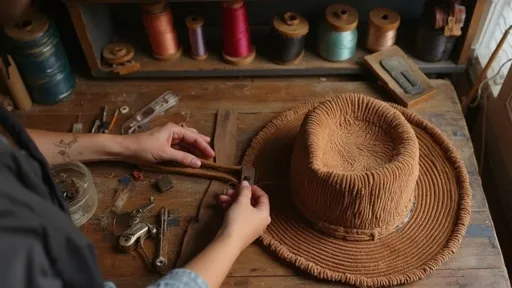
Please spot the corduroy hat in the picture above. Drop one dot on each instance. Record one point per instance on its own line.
(361, 191)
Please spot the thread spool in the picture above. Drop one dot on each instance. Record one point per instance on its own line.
(196, 37)
(35, 46)
(382, 29)
(158, 22)
(287, 38)
(237, 49)
(432, 45)
(337, 39)
(14, 83)
(119, 56)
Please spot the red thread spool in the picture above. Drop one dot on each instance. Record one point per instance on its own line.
(159, 26)
(236, 35)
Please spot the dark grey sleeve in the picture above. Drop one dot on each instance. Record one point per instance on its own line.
(180, 278)
(26, 263)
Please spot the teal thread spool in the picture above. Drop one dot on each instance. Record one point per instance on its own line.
(35, 45)
(337, 40)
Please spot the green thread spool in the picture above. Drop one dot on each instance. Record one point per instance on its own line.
(337, 40)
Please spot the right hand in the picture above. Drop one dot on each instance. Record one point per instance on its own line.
(247, 216)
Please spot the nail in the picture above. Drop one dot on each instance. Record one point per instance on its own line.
(245, 184)
(196, 163)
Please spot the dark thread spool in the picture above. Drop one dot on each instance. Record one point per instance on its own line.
(287, 38)
(237, 49)
(432, 45)
(196, 37)
(35, 46)
(158, 22)
(382, 29)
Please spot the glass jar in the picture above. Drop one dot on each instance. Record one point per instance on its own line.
(74, 182)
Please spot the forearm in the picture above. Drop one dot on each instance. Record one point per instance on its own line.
(214, 262)
(58, 147)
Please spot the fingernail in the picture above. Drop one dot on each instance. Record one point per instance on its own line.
(196, 163)
(245, 184)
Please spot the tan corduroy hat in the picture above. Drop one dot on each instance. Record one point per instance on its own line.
(361, 191)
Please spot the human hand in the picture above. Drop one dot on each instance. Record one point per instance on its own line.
(247, 216)
(169, 143)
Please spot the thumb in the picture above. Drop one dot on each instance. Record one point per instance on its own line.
(184, 158)
(244, 192)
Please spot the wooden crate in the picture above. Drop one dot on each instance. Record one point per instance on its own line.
(100, 22)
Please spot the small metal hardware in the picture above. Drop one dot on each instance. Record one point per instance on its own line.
(398, 69)
(165, 183)
(78, 126)
(124, 109)
(96, 126)
(162, 103)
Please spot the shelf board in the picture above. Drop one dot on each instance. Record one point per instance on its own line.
(149, 1)
(311, 64)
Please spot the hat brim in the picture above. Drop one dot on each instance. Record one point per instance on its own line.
(430, 237)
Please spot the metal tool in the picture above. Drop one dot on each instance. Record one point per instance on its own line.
(139, 230)
(399, 71)
(104, 122)
(96, 126)
(208, 170)
(160, 259)
(78, 126)
(162, 103)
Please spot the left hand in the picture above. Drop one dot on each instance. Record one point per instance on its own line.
(170, 143)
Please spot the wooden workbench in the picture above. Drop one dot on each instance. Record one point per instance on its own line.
(478, 262)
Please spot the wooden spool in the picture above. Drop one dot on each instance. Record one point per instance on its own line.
(238, 61)
(291, 25)
(341, 17)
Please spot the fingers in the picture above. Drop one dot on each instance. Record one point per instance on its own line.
(260, 198)
(225, 199)
(204, 137)
(244, 192)
(184, 158)
(194, 140)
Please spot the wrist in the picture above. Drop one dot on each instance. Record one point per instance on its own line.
(117, 146)
(230, 239)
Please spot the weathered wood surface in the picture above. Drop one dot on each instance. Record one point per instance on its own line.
(478, 263)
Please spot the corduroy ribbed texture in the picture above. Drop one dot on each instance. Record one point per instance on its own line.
(360, 157)
(434, 231)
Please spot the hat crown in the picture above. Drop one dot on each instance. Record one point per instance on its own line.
(354, 168)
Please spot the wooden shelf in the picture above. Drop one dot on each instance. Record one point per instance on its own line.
(311, 64)
(149, 1)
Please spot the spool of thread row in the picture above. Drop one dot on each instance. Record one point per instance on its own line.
(158, 22)
(237, 49)
(337, 39)
(196, 37)
(287, 38)
(382, 29)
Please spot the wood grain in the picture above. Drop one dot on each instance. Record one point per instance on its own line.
(81, 31)
(478, 263)
(476, 17)
(209, 219)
